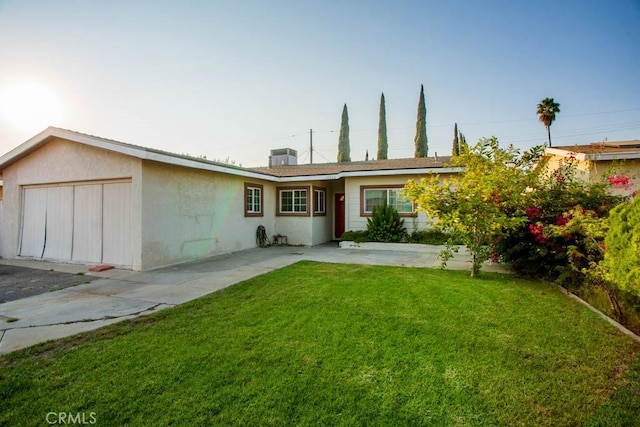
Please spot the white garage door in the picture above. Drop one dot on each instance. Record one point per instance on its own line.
(80, 222)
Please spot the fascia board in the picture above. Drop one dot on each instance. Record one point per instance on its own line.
(194, 164)
(142, 153)
(137, 152)
(610, 155)
(613, 156)
(23, 149)
(565, 153)
(387, 172)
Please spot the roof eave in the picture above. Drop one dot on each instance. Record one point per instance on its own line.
(565, 153)
(51, 133)
(143, 153)
(608, 156)
(613, 156)
(382, 172)
(195, 164)
(25, 148)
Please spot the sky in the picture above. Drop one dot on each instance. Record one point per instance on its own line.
(231, 80)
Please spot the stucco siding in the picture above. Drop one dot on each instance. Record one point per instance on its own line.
(599, 170)
(353, 218)
(62, 162)
(297, 229)
(190, 214)
(307, 230)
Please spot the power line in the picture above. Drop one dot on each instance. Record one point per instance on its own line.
(431, 126)
(322, 155)
(602, 112)
(521, 138)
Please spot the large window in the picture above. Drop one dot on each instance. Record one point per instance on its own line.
(253, 199)
(372, 196)
(319, 201)
(293, 201)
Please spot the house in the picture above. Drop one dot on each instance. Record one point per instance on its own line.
(78, 198)
(602, 160)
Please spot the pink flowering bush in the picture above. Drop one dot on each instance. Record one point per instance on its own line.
(533, 213)
(536, 249)
(619, 181)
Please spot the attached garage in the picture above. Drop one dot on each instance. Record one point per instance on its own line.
(77, 198)
(84, 222)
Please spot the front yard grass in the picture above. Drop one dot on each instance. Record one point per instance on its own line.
(328, 344)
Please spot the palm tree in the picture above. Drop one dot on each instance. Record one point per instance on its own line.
(547, 110)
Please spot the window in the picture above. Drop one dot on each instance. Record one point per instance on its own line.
(253, 200)
(373, 196)
(293, 201)
(319, 201)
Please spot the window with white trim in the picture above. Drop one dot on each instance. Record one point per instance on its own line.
(293, 201)
(319, 201)
(378, 196)
(253, 200)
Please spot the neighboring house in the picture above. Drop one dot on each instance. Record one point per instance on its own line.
(602, 160)
(73, 197)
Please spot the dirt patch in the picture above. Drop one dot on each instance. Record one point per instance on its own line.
(21, 282)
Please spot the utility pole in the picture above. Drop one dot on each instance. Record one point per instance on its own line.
(311, 146)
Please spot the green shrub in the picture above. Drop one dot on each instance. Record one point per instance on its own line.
(385, 225)
(622, 257)
(430, 237)
(357, 236)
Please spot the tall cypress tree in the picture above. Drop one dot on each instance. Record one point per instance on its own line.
(464, 147)
(422, 145)
(383, 146)
(344, 151)
(455, 151)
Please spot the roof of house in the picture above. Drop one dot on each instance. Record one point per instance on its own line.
(395, 165)
(320, 171)
(52, 133)
(608, 150)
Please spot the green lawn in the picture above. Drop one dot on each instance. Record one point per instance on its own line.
(327, 344)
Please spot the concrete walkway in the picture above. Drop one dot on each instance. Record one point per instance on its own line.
(124, 294)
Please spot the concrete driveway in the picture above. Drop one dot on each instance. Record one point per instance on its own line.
(115, 295)
(21, 282)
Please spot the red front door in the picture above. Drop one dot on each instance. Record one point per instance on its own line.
(339, 215)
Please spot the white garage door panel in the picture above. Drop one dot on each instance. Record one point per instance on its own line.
(79, 222)
(87, 224)
(116, 247)
(59, 224)
(33, 222)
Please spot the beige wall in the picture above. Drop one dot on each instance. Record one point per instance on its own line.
(58, 162)
(297, 229)
(190, 214)
(307, 230)
(631, 168)
(601, 169)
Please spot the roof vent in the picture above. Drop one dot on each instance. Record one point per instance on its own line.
(283, 157)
